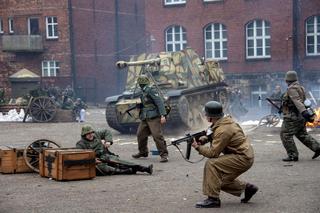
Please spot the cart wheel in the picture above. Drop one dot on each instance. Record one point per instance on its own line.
(32, 151)
(269, 120)
(42, 109)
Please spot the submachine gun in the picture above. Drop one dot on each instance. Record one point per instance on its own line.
(189, 138)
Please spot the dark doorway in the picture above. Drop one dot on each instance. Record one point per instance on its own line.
(33, 26)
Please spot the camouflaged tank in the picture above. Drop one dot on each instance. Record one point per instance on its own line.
(185, 81)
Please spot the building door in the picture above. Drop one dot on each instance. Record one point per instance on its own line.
(33, 26)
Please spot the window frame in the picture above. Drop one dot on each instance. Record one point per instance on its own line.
(173, 42)
(255, 37)
(179, 2)
(29, 25)
(315, 34)
(10, 25)
(47, 69)
(213, 40)
(52, 25)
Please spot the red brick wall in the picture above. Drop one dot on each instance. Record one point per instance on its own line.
(195, 15)
(58, 49)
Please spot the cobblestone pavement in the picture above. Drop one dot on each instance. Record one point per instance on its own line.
(174, 187)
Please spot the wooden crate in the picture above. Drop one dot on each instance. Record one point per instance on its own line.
(67, 164)
(12, 161)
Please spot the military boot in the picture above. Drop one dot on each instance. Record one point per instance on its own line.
(210, 202)
(290, 159)
(140, 155)
(249, 192)
(316, 154)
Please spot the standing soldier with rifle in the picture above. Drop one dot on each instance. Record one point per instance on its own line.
(221, 171)
(152, 115)
(295, 116)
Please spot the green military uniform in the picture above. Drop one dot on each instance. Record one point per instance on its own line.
(293, 121)
(111, 163)
(151, 111)
(221, 171)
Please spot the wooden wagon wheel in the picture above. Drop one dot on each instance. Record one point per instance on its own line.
(32, 151)
(269, 120)
(42, 109)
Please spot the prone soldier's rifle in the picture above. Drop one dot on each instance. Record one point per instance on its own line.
(189, 138)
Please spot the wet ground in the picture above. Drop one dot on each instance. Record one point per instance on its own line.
(174, 187)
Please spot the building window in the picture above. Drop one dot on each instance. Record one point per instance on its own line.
(1, 26)
(33, 26)
(50, 68)
(175, 38)
(258, 39)
(215, 36)
(10, 23)
(171, 2)
(52, 27)
(313, 35)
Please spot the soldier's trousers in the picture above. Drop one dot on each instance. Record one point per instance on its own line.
(116, 166)
(151, 127)
(221, 174)
(296, 127)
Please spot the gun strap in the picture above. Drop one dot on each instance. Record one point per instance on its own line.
(189, 161)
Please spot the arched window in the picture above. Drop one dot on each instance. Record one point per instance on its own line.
(175, 38)
(258, 39)
(313, 35)
(215, 36)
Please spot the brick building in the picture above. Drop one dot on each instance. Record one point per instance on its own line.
(74, 42)
(256, 41)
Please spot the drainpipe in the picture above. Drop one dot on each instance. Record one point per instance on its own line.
(72, 51)
(296, 63)
(117, 44)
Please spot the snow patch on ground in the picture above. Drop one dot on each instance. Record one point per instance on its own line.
(13, 115)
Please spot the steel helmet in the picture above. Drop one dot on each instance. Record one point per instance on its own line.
(291, 76)
(86, 130)
(213, 109)
(143, 79)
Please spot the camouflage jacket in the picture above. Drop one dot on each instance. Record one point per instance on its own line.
(152, 103)
(292, 100)
(96, 144)
(228, 138)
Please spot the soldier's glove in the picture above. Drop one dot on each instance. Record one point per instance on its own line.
(306, 115)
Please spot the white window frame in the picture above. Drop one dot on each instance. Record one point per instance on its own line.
(255, 37)
(182, 43)
(315, 34)
(221, 40)
(174, 2)
(10, 24)
(50, 68)
(51, 26)
(1, 26)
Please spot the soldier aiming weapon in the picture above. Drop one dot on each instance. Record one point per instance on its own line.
(202, 137)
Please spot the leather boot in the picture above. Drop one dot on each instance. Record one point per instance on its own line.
(316, 154)
(140, 155)
(210, 202)
(249, 192)
(290, 159)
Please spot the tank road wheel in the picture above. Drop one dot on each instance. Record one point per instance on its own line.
(269, 120)
(32, 151)
(42, 109)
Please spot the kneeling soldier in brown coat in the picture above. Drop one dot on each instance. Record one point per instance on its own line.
(221, 171)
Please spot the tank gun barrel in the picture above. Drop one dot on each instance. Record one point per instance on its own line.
(124, 64)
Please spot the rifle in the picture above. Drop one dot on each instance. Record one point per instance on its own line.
(275, 105)
(136, 106)
(189, 138)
